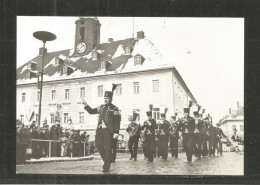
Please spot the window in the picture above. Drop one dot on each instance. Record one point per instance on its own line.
(127, 50)
(136, 88)
(53, 95)
(65, 117)
(155, 85)
(52, 117)
(241, 128)
(234, 127)
(38, 96)
(22, 118)
(138, 60)
(65, 70)
(156, 113)
(57, 61)
(82, 33)
(67, 94)
(94, 56)
(81, 117)
(137, 111)
(82, 92)
(23, 97)
(100, 91)
(29, 66)
(103, 65)
(119, 89)
(27, 75)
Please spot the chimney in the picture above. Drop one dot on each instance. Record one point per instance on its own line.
(110, 40)
(229, 110)
(140, 35)
(41, 51)
(237, 104)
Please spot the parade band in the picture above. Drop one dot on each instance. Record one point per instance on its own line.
(199, 136)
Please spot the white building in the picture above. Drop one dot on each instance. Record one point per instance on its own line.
(89, 69)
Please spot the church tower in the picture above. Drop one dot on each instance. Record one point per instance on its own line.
(87, 35)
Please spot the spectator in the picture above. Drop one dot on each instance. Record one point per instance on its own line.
(76, 145)
(63, 140)
(35, 144)
(70, 143)
(24, 140)
(54, 135)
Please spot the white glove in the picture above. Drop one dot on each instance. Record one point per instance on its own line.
(115, 136)
(84, 102)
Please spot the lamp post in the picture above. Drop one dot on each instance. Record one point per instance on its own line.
(44, 36)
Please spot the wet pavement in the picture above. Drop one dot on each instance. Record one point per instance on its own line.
(230, 163)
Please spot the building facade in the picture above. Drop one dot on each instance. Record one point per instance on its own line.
(89, 69)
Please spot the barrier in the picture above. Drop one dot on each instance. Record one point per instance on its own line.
(58, 141)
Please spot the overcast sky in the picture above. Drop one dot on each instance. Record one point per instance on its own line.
(207, 52)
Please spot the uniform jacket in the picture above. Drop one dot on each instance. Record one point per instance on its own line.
(212, 132)
(219, 133)
(164, 128)
(187, 125)
(174, 131)
(109, 114)
(149, 130)
(198, 126)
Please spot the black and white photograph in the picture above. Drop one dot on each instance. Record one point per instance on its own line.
(130, 95)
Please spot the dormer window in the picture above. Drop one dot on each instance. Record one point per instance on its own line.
(65, 70)
(103, 65)
(127, 50)
(29, 66)
(94, 55)
(57, 61)
(27, 76)
(138, 60)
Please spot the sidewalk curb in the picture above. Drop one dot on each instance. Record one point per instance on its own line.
(60, 160)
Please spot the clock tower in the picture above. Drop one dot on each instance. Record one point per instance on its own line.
(87, 35)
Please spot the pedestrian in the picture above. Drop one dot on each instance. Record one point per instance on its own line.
(198, 138)
(63, 141)
(235, 139)
(35, 144)
(174, 136)
(163, 136)
(69, 143)
(54, 135)
(219, 136)
(187, 124)
(149, 127)
(107, 128)
(133, 130)
(84, 143)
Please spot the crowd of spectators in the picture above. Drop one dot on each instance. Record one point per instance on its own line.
(34, 142)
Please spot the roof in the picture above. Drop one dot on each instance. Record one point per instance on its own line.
(84, 66)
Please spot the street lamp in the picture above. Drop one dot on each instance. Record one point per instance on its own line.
(44, 36)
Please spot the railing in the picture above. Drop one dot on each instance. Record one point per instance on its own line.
(58, 141)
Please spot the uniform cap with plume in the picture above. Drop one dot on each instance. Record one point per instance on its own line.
(199, 107)
(203, 110)
(151, 107)
(176, 113)
(165, 110)
(190, 104)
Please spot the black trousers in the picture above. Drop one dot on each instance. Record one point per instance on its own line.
(188, 145)
(113, 149)
(212, 146)
(103, 144)
(204, 145)
(149, 149)
(174, 146)
(133, 146)
(198, 144)
(163, 146)
(219, 146)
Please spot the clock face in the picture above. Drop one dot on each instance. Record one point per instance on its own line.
(81, 47)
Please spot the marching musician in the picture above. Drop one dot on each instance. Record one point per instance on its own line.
(174, 136)
(134, 133)
(220, 135)
(107, 128)
(204, 135)
(163, 136)
(148, 128)
(211, 138)
(187, 125)
(198, 134)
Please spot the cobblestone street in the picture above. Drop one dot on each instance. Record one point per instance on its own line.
(230, 163)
